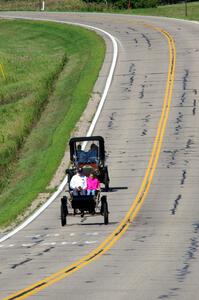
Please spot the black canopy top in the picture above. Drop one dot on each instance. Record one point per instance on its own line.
(99, 139)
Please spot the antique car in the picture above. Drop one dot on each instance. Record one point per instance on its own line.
(87, 153)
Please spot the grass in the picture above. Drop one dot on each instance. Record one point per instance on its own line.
(172, 11)
(50, 72)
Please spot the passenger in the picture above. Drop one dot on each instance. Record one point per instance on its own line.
(93, 185)
(92, 154)
(81, 155)
(78, 183)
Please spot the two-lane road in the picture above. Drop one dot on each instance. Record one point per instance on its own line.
(157, 257)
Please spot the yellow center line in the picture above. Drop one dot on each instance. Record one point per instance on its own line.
(140, 197)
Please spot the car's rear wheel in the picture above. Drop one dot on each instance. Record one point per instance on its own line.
(104, 209)
(64, 210)
(106, 182)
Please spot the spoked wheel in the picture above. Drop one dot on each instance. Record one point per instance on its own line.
(104, 209)
(106, 180)
(64, 210)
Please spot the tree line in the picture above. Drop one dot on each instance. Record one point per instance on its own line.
(122, 4)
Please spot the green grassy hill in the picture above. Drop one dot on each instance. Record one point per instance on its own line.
(172, 11)
(47, 75)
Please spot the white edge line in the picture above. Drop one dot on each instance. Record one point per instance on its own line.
(91, 128)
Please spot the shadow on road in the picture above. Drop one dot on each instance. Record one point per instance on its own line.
(115, 189)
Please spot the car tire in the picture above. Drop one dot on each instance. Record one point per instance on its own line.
(64, 210)
(106, 181)
(104, 209)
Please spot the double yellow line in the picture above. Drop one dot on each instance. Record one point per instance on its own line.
(142, 193)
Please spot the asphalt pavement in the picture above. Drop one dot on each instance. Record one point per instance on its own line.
(157, 257)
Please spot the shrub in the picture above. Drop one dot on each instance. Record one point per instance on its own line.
(121, 4)
(145, 4)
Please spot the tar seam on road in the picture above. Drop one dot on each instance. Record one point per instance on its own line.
(142, 193)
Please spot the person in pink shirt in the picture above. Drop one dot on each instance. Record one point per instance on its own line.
(93, 185)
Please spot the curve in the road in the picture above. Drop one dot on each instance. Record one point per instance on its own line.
(141, 195)
(89, 133)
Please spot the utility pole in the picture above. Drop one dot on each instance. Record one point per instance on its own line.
(42, 5)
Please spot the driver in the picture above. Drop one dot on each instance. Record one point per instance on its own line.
(78, 183)
(81, 155)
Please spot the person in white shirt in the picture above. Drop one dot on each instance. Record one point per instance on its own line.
(78, 183)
